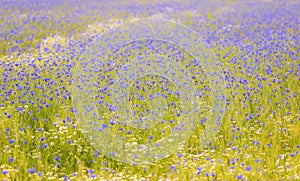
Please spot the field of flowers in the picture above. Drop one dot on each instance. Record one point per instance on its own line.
(255, 44)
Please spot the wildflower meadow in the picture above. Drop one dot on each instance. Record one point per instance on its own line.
(149, 90)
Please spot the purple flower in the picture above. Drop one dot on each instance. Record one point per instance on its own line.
(31, 170)
(65, 177)
(90, 171)
(240, 176)
(202, 121)
(11, 141)
(4, 172)
(179, 155)
(173, 168)
(200, 168)
(248, 168)
(19, 109)
(234, 148)
(10, 159)
(69, 141)
(93, 176)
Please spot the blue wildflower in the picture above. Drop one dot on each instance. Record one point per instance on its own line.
(31, 170)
